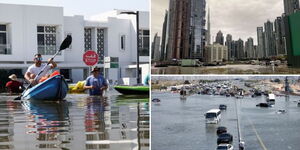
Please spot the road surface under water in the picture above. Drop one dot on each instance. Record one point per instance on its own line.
(228, 69)
(180, 124)
(81, 122)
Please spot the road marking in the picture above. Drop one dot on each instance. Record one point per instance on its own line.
(258, 137)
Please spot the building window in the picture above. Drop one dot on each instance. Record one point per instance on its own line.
(4, 45)
(123, 41)
(46, 39)
(87, 39)
(100, 45)
(144, 42)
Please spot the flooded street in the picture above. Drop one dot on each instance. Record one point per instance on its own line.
(81, 122)
(180, 124)
(228, 69)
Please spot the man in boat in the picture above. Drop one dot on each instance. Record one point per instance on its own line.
(34, 69)
(96, 83)
(14, 86)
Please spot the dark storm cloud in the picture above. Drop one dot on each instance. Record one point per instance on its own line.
(237, 17)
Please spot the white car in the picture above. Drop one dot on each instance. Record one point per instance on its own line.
(225, 147)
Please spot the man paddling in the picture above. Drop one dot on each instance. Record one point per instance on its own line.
(34, 69)
(96, 83)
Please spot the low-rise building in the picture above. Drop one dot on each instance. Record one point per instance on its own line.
(216, 53)
(29, 29)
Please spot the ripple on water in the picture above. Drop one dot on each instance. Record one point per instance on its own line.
(80, 122)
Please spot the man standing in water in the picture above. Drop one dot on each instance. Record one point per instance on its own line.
(96, 83)
(34, 69)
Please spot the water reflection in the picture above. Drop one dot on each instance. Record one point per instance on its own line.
(95, 122)
(48, 121)
(141, 102)
(6, 127)
(80, 122)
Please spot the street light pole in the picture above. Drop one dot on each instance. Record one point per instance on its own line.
(137, 44)
(138, 48)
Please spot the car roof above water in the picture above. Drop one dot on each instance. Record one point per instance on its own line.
(213, 111)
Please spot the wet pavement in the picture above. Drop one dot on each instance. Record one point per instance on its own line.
(81, 122)
(180, 124)
(228, 69)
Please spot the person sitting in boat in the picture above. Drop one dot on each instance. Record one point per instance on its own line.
(96, 83)
(37, 67)
(14, 86)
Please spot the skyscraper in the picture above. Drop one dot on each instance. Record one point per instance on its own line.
(155, 53)
(229, 44)
(178, 38)
(269, 40)
(208, 29)
(260, 43)
(186, 33)
(164, 38)
(290, 6)
(279, 40)
(240, 49)
(198, 32)
(220, 38)
(249, 48)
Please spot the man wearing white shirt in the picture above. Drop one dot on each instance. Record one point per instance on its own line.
(37, 67)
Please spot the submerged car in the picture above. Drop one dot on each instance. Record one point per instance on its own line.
(221, 130)
(222, 107)
(155, 100)
(263, 105)
(225, 147)
(225, 138)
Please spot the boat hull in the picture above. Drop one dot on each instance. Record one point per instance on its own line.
(133, 90)
(53, 89)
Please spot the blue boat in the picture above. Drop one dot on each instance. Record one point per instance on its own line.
(53, 89)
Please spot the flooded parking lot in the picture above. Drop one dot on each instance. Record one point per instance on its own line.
(180, 124)
(81, 122)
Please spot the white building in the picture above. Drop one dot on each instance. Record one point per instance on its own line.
(26, 30)
(216, 53)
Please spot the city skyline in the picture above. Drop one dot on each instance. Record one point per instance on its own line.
(232, 21)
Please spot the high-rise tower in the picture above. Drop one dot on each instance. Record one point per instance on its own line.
(164, 38)
(269, 39)
(208, 28)
(186, 32)
(260, 43)
(290, 6)
(220, 38)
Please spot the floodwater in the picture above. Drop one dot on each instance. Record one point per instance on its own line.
(228, 69)
(81, 122)
(180, 124)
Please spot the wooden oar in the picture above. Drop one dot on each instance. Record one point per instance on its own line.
(65, 44)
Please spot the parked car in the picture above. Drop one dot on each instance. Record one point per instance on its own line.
(225, 138)
(221, 130)
(225, 147)
(222, 107)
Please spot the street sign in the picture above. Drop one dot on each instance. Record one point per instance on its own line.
(111, 62)
(90, 58)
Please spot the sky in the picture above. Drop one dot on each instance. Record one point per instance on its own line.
(87, 8)
(240, 18)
